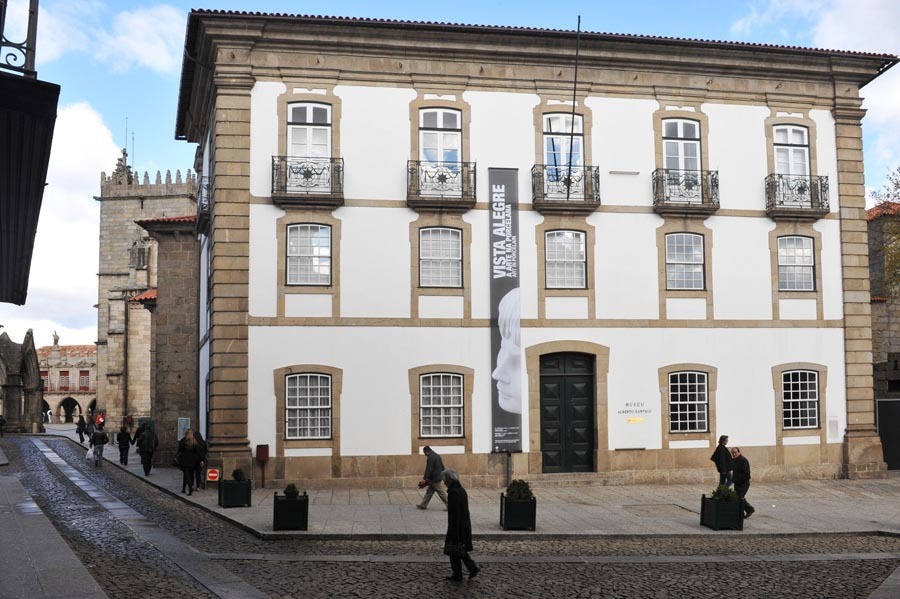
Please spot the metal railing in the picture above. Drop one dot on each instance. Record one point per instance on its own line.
(797, 193)
(683, 188)
(57, 388)
(559, 183)
(306, 176)
(441, 180)
(19, 56)
(204, 206)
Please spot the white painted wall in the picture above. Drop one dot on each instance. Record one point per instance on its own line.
(566, 307)
(737, 149)
(626, 265)
(203, 402)
(686, 308)
(263, 276)
(741, 267)
(441, 306)
(308, 305)
(263, 134)
(832, 283)
(797, 309)
(826, 153)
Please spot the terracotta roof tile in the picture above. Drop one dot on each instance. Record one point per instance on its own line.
(878, 299)
(169, 219)
(146, 296)
(72, 351)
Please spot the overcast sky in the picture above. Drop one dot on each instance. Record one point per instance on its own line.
(120, 61)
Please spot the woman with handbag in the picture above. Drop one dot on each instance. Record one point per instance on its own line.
(458, 542)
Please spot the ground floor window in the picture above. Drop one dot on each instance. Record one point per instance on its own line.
(441, 405)
(688, 402)
(308, 406)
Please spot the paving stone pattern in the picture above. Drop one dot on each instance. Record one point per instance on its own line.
(122, 564)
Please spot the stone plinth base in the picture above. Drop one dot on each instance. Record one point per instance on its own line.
(863, 456)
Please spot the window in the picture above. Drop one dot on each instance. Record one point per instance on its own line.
(566, 260)
(800, 399)
(791, 150)
(441, 405)
(45, 380)
(63, 380)
(688, 402)
(684, 261)
(563, 142)
(440, 257)
(309, 130)
(309, 255)
(796, 264)
(308, 406)
(440, 135)
(681, 144)
(84, 380)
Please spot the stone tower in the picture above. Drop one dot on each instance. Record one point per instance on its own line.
(128, 268)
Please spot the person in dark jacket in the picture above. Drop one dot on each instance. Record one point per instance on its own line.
(89, 428)
(80, 428)
(202, 450)
(147, 443)
(187, 458)
(99, 438)
(458, 542)
(742, 479)
(431, 480)
(724, 463)
(123, 440)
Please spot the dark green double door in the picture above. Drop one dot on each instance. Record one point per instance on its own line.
(567, 412)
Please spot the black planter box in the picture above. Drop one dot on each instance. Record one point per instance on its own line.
(234, 493)
(517, 514)
(721, 514)
(290, 514)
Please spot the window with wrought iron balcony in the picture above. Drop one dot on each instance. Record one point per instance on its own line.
(308, 175)
(203, 204)
(682, 187)
(792, 193)
(440, 180)
(563, 184)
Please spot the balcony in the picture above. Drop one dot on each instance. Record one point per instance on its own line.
(796, 197)
(440, 186)
(685, 193)
(203, 205)
(308, 182)
(561, 190)
(58, 388)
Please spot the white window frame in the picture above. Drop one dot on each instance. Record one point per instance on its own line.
(791, 155)
(305, 260)
(795, 262)
(680, 142)
(800, 400)
(64, 376)
(84, 382)
(565, 259)
(689, 388)
(441, 405)
(677, 268)
(447, 139)
(302, 422)
(308, 128)
(440, 266)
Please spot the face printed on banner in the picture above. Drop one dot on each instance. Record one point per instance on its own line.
(508, 373)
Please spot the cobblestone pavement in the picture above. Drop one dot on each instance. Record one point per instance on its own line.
(738, 565)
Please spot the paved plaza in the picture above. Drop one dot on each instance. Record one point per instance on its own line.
(117, 532)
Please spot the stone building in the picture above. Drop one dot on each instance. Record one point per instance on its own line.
(69, 379)
(20, 384)
(425, 233)
(129, 268)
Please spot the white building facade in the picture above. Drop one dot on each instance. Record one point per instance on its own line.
(691, 251)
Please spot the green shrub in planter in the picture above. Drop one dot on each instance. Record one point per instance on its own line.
(518, 507)
(235, 493)
(291, 511)
(722, 509)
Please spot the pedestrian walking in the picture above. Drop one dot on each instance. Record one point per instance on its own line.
(98, 440)
(742, 479)
(123, 440)
(724, 462)
(202, 451)
(2, 424)
(89, 428)
(187, 457)
(431, 481)
(147, 442)
(80, 428)
(458, 542)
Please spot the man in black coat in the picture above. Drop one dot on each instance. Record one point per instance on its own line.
(458, 542)
(742, 479)
(434, 465)
(724, 463)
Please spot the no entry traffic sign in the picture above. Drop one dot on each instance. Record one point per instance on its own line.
(212, 474)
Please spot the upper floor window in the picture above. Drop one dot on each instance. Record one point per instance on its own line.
(685, 261)
(791, 150)
(308, 406)
(309, 130)
(563, 141)
(309, 254)
(84, 380)
(566, 260)
(441, 405)
(681, 144)
(688, 402)
(63, 380)
(45, 380)
(440, 257)
(796, 264)
(440, 135)
(800, 399)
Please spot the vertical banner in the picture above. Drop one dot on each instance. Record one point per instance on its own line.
(506, 344)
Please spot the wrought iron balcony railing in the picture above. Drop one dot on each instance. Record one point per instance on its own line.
(57, 388)
(796, 197)
(308, 181)
(561, 189)
(203, 204)
(440, 185)
(685, 192)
